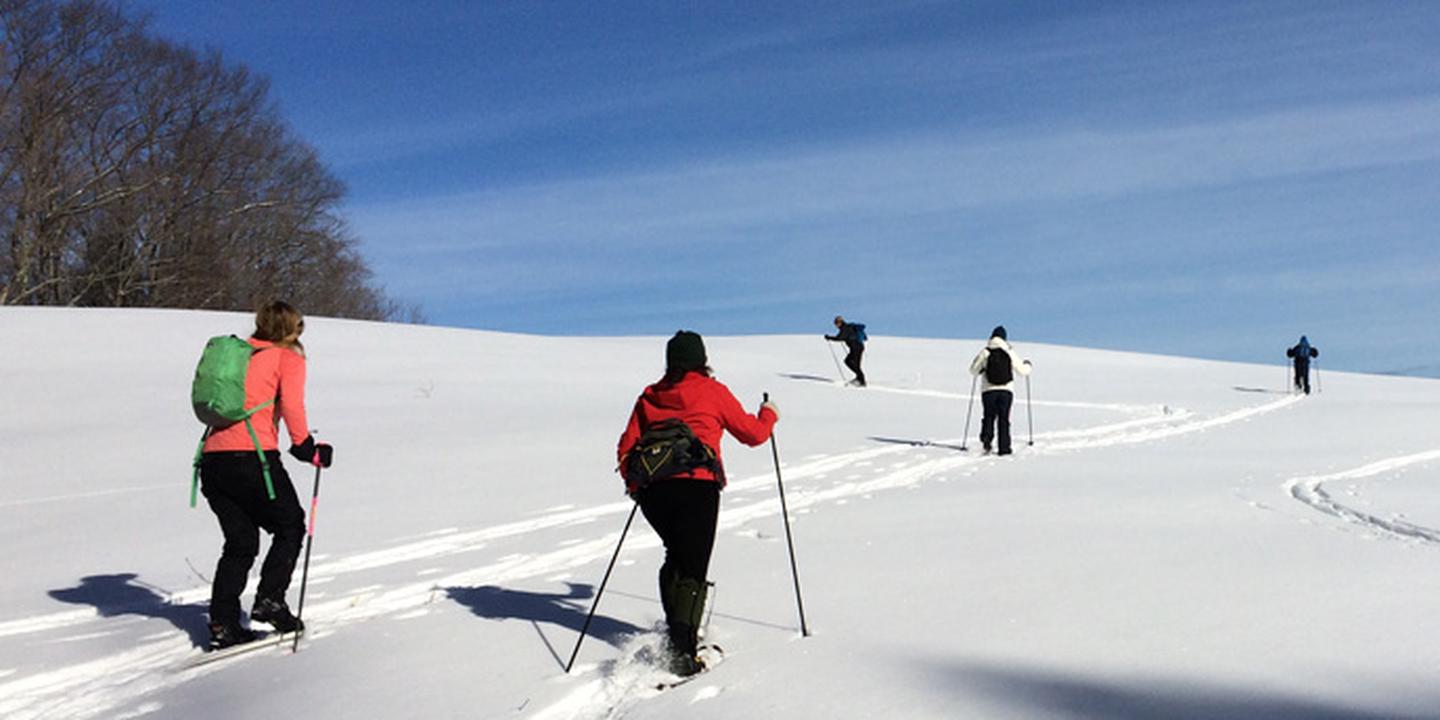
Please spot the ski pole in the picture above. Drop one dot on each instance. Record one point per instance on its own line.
(309, 542)
(596, 605)
(1318, 387)
(1029, 413)
(785, 513)
(970, 410)
(834, 357)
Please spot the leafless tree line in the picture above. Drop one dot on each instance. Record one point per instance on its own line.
(137, 173)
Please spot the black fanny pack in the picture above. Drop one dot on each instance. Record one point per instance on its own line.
(666, 449)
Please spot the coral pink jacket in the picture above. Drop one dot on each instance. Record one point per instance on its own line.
(275, 373)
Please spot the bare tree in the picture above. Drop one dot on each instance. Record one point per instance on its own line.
(134, 172)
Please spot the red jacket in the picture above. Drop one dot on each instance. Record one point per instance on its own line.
(706, 406)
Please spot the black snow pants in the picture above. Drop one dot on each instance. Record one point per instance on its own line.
(997, 418)
(1302, 375)
(235, 488)
(683, 513)
(852, 360)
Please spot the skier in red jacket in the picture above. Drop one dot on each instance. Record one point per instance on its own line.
(684, 507)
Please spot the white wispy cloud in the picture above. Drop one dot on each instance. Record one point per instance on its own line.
(901, 178)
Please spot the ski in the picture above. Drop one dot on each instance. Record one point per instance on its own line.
(269, 641)
(710, 656)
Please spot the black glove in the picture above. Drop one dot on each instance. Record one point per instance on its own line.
(314, 453)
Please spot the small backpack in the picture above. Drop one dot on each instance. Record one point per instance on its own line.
(860, 332)
(668, 448)
(997, 367)
(217, 394)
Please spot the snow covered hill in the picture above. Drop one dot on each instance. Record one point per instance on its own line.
(1184, 539)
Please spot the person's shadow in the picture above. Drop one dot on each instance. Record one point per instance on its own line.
(119, 594)
(497, 603)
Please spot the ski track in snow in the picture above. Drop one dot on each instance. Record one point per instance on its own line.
(98, 687)
(947, 395)
(1310, 490)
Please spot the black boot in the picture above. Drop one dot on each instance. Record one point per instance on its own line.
(277, 614)
(223, 635)
(667, 590)
(684, 656)
(684, 610)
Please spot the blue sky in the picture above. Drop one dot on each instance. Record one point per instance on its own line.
(1204, 178)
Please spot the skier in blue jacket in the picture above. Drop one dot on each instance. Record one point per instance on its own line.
(1301, 354)
(853, 335)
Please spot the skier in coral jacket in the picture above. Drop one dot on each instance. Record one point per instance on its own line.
(683, 507)
(231, 479)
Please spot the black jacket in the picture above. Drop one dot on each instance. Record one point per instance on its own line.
(848, 334)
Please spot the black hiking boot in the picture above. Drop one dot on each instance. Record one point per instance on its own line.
(223, 635)
(277, 614)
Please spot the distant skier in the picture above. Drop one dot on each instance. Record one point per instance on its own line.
(670, 458)
(234, 486)
(996, 365)
(853, 335)
(1302, 354)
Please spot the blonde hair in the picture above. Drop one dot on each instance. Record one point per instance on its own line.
(277, 322)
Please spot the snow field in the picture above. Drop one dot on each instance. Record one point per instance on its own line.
(1181, 541)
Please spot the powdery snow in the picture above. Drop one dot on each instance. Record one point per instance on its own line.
(1184, 539)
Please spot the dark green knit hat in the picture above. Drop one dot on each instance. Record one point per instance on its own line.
(685, 351)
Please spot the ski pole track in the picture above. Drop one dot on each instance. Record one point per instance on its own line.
(1310, 491)
(1113, 435)
(93, 688)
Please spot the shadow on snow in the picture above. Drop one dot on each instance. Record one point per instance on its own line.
(497, 603)
(918, 443)
(811, 378)
(1076, 697)
(1241, 388)
(121, 594)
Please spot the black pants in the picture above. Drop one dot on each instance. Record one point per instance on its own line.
(852, 361)
(684, 514)
(235, 488)
(1302, 376)
(997, 416)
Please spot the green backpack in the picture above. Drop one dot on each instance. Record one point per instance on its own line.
(218, 397)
